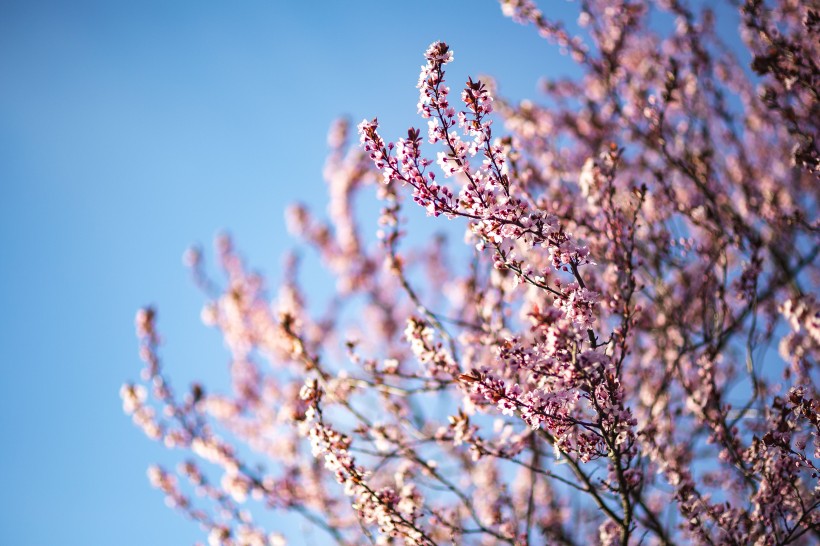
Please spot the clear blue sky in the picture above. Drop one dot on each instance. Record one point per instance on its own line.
(129, 130)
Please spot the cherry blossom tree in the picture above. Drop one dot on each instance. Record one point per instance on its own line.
(591, 364)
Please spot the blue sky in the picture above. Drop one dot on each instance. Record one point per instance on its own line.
(129, 130)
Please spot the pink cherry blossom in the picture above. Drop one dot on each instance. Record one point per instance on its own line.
(590, 360)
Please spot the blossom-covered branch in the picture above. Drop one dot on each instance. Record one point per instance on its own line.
(625, 351)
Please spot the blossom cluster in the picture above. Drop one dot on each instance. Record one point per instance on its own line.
(395, 513)
(593, 366)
